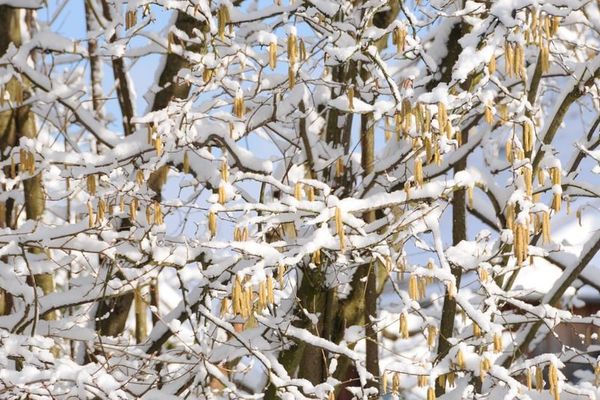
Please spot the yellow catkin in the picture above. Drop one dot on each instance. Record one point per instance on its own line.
(223, 19)
(291, 76)
(404, 333)
(339, 226)
(273, 54)
(597, 374)
(553, 378)
(130, 19)
(430, 393)
(539, 378)
(316, 257)
(270, 292)
(497, 343)
(292, 48)
(298, 191)
(310, 193)
(158, 214)
(91, 184)
(139, 177)
(422, 287)
(509, 59)
(212, 223)
(418, 172)
(492, 65)
(413, 290)
(399, 38)
(556, 202)
(221, 193)
(555, 175)
(431, 335)
(224, 310)
(237, 296)
(350, 94)
(483, 274)
(476, 330)
(460, 359)
(488, 114)
(186, 163)
(2, 214)
(527, 180)
(281, 275)
(546, 238)
(527, 136)
(442, 116)
(207, 74)
(238, 104)
(484, 367)
(101, 211)
(395, 382)
(90, 214)
(133, 206)
(384, 382)
(339, 168)
(302, 50)
(452, 379)
(528, 378)
(422, 380)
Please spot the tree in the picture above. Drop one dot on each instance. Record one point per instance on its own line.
(321, 199)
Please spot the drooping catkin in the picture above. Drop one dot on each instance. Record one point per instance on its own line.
(133, 206)
(396, 382)
(431, 335)
(484, 367)
(539, 378)
(413, 290)
(101, 211)
(158, 214)
(130, 19)
(273, 54)
(399, 38)
(223, 19)
(298, 191)
(418, 172)
(546, 237)
(404, 333)
(90, 214)
(497, 343)
(527, 136)
(292, 48)
(270, 292)
(476, 330)
(225, 305)
(527, 180)
(339, 227)
(488, 114)
(91, 184)
(281, 275)
(492, 65)
(186, 163)
(212, 223)
(430, 393)
(302, 50)
(339, 167)
(350, 95)
(221, 193)
(460, 359)
(238, 104)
